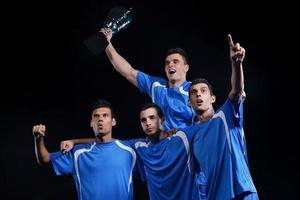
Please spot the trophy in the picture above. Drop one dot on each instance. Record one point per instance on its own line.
(118, 19)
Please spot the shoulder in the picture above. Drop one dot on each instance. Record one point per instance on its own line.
(191, 128)
(125, 145)
(186, 85)
(123, 142)
(83, 146)
(142, 75)
(228, 108)
(140, 142)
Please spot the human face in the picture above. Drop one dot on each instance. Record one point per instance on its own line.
(102, 121)
(200, 98)
(150, 121)
(176, 68)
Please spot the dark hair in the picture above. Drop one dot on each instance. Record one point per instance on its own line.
(180, 52)
(155, 106)
(202, 80)
(101, 103)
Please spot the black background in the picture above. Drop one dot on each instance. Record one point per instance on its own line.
(49, 77)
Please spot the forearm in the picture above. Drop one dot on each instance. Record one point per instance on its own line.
(237, 82)
(121, 65)
(83, 140)
(41, 152)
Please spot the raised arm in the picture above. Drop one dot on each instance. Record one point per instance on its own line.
(119, 63)
(41, 152)
(237, 55)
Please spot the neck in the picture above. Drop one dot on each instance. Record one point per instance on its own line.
(159, 135)
(176, 83)
(205, 116)
(102, 138)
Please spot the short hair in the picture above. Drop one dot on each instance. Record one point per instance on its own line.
(180, 52)
(155, 106)
(101, 103)
(202, 80)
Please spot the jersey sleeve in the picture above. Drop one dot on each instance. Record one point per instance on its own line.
(145, 82)
(62, 163)
(129, 143)
(234, 113)
(234, 119)
(139, 171)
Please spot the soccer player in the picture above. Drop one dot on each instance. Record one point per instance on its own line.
(167, 160)
(219, 144)
(101, 169)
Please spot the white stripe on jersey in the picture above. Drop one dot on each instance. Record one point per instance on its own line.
(222, 116)
(181, 90)
(154, 85)
(182, 135)
(76, 155)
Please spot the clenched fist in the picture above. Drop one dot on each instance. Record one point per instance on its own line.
(39, 130)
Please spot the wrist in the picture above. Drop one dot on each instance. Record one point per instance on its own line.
(38, 137)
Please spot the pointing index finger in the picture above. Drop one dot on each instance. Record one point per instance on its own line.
(230, 40)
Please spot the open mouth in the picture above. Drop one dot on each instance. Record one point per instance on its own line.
(100, 126)
(199, 101)
(149, 130)
(172, 70)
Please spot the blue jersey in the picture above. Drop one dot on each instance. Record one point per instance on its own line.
(168, 166)
(100, 170)
(220, 149)
(173, 101)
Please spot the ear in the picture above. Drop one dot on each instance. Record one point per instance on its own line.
(91, 123)
(161, 122)
(114, 121)
(189, 103)
(213, 99)
(187, 67)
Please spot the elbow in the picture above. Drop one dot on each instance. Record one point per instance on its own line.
(43, 160)
(238, 91)
(41, 163)
(240, 94)
(237, 95)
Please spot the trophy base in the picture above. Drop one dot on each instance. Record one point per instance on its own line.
(96, 43)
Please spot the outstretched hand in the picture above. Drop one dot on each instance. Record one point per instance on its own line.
(107, 32)
(66, 146)
(237, 52)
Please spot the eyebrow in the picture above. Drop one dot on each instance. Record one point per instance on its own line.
(149, 116)
(98, 114)
(204, 87)
(174, 59)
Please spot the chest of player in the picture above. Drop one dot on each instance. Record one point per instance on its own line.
(104, 158)
(165, 154)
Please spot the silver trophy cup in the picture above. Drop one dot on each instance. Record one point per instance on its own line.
(118, 19)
